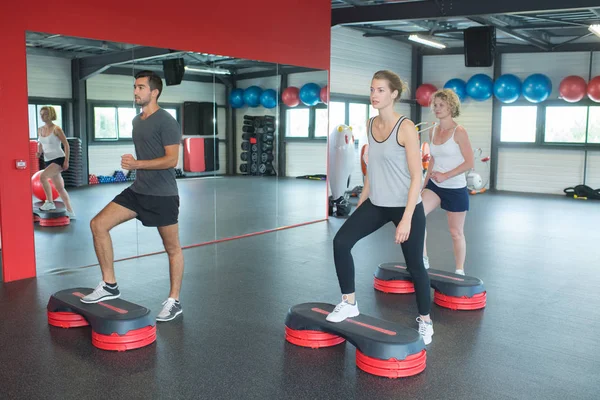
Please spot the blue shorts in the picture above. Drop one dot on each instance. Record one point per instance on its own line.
(453, 200)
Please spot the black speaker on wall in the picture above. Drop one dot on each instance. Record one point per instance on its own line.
(198, 118)
(173, 70)
(480, 45)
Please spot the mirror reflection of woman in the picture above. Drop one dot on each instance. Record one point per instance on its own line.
(50, 138)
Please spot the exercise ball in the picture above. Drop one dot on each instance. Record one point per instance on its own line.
(324, 95)
(572, 88)
(593, 89)
(268, 98)
(459, 87)
(38, 189)
(507, 88)
(236, 98)
(291, 96)
(252, 96)
(424, 93)
(537, 88)
(480, 87)
(309, 94)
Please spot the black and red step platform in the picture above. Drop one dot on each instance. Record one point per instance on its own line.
(56, 217)
(453, 291)
(383, 348)
(117, 324)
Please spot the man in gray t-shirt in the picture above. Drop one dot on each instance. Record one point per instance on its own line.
(153, 197)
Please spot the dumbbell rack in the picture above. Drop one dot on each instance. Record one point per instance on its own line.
(258, 143)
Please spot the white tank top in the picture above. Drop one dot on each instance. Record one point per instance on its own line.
(446, 157)
(51, 145)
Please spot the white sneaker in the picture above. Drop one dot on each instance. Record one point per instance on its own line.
(101, 293)
(71, 215)
(47, 206)
(426, 330)
(342, 311)
(460, 272)
(171, 309)
(426, 262)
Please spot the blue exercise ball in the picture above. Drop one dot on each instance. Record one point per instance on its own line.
(236, 98)
(268, 98)
(507, 88)
(537, 88)
(459, 87)
(480, 87)
(252, 96)
(310, 94)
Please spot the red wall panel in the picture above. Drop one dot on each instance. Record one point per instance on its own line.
(293, 32)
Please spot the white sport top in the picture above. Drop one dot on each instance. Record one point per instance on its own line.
(51, 145)
(448, 156)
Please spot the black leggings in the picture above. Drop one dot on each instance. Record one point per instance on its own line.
(365, 220)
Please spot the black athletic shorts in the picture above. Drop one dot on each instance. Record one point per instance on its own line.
(151, 210)
(60, 161)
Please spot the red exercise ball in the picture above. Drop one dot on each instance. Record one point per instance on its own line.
(38, 189)
(572, 88)
(324, 95)
(593, 89)
(291, 96)
(424, 93)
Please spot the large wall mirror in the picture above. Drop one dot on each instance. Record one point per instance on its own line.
(253, 150)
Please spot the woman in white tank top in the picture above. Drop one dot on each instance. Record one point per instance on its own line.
(445, 184)
(50, 139)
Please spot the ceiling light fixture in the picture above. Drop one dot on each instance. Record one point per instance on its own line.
(427, 42)
(595, 29)
(216, 71)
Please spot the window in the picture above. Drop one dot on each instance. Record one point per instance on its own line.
(297, 123)
(565, 124)
(112, 122)
(357, 119)
(518, 124)
(594, 125)
(321, 123)
(337, 113)
(372, 112)
(317, 122)
(35, 121)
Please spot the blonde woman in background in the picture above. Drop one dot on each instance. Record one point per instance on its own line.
(445, 183)
(50, 138)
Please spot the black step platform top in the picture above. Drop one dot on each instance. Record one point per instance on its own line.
(112, 316)
(373, 337)
(444, 282)
(60, 211)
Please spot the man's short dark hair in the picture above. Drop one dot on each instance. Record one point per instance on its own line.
(154, 80)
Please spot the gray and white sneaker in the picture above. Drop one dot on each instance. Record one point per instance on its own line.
(47, 206)
(426, 330)
(426, 262)
(171, 309)
(102, 292)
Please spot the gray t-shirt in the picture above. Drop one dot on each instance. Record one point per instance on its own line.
(150, 136)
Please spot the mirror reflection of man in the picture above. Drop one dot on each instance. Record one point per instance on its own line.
(153, 198)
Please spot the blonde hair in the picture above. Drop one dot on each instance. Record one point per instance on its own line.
(394, 82)
(51, 112)
(450, 97)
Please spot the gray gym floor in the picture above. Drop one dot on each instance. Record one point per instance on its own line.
(536, 339)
